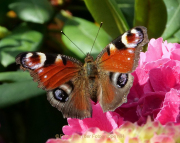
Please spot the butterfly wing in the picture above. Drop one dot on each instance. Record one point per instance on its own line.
(115, 63)
(62, 77)
(75, 102)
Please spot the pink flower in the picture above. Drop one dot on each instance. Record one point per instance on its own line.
(156, 87)
(104, 121)
(151, 132)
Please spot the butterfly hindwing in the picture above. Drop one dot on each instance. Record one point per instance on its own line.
(63, 79)
(115, 63)
(115, 88)
(75, 102)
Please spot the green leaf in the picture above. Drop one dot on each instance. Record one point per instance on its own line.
(4, 32)
(173, 24)
(21, 39)
(177, 35)
(16, 87)
(172, 40)
(127, 8)
(12, 93)
(83, 33)
(151, 14)
(37, 11)
(7, 58)
(107, 11)
(14, 76)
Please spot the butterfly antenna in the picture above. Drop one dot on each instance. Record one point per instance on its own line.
(73, 42)
(96, 36)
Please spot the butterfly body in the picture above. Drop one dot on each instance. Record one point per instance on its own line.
(71, 85)
(90, 67)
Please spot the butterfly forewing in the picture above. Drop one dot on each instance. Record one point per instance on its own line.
(115, 63)
(50, 70)
(62, 77)
(122, 54)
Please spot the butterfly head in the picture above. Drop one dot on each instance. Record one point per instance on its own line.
(88, 58)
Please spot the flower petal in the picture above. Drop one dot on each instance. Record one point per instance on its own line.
(104, 121)
(154, 51)
(152, 101)
(170, 109)
(162, 139)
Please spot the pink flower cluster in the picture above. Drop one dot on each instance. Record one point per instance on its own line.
(156, 87)
(151, 132)
(155, 93)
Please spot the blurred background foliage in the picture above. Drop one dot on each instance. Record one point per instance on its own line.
(35, 25)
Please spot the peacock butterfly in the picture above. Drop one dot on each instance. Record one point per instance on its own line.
(71, 85)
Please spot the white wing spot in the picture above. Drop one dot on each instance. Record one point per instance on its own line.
(58, 58)
(29, 55)
(45, 76)
(130, 51)
(40, 71)
(112, 47)
(42, 58)
(134, 31)
(124, 39)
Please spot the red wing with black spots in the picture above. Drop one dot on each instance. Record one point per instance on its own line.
(50, 70)
(58, 75)
(122, 54)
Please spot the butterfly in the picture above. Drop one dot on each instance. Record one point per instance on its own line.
(71, 84)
